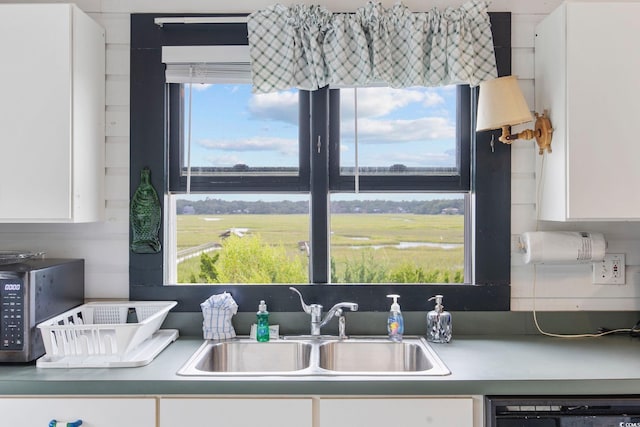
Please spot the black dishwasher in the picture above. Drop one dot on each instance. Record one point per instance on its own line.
(578, 411)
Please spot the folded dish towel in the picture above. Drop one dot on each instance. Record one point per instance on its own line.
(217, 312)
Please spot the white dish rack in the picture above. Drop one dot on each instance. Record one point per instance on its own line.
(105, 334)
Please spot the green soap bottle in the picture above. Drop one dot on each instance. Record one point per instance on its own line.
(262, 328)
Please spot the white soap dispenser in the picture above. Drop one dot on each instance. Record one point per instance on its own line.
(438, 323)
(395, 322)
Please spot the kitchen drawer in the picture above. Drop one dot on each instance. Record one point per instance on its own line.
(38, 411)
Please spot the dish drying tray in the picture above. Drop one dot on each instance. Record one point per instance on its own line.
(106, 334)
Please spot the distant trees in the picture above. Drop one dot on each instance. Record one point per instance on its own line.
(225, 207)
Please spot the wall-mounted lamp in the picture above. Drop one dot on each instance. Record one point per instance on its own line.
(501, 104)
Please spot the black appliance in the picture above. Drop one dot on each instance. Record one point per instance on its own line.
(583, 411)
(30, 293)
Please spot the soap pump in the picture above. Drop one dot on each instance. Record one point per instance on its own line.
(395, 322)
(262, 327)
(438, 322)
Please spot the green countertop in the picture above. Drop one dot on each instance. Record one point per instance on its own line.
(482, 365)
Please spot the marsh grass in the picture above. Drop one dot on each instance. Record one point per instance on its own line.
(356, 240)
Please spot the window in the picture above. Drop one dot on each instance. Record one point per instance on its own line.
(486, 285)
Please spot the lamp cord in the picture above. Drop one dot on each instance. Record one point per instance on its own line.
(355, 125)
(189, 134)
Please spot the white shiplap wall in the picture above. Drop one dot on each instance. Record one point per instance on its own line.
(105, 245)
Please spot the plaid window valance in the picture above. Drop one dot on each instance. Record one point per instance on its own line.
(309, 47)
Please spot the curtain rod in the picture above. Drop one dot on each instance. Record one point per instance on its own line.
(201, 20)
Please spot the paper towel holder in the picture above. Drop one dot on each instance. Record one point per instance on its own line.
(562, 247)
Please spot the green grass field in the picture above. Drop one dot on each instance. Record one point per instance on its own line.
(353, 237)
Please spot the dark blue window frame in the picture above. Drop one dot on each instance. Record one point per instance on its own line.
(151, 99)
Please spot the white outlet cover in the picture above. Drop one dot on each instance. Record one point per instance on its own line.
(609, 271)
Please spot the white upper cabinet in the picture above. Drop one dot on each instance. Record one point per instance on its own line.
(587, 74)
(52, 91)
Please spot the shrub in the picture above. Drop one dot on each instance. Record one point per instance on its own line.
(407, 273)
(249, 260)
(366, 269)
(208, 270)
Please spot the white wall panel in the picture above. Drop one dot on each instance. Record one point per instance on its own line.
(573, 304)
(117, 121)
(117, 184)
(117, 27)
(120, 6)
(523, 218)
(118, 58)
(117, 90)
(528, 90)
(117, 211)
(522, 157)
(522, 63)
(523, 29)
(117, 152)
(523, 189)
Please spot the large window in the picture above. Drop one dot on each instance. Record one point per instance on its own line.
(395, 194)
(403, 140)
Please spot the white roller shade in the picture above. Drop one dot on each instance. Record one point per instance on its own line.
(207, 64)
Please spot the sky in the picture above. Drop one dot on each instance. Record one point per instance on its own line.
(414, 127)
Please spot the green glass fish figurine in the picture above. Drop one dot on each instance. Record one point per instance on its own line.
(145, 217)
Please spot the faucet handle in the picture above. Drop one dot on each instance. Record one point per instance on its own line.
(305, 307)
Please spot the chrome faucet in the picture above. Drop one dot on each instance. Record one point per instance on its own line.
(317, 321)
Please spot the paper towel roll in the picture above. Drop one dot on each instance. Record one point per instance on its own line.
(563, 247)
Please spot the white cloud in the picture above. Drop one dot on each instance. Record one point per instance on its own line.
(372, 102)
(380, 101)
(201, 86)
(279, 106)
(432, 99)
(385, 131)
(282, 145)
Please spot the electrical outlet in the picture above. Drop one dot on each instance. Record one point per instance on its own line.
(609, 271)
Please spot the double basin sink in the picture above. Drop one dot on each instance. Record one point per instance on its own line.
(309, 356)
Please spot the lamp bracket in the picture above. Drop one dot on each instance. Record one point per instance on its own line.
(542, 133)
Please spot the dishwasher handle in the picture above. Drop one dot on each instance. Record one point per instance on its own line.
(54, 423)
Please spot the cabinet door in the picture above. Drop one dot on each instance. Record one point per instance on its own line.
(588, 80)
(602, 106)
(233, 412)
(405, 412)
(94, 412)
(51, 114)
(602, 103)
(35, 111)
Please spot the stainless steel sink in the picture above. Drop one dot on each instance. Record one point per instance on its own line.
(315, 356)
(249, 357)
(374, 356)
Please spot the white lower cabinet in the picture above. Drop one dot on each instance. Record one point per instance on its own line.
(390, 411)
(236, 412)
(176, 411)
(39, 411)
(318, 412)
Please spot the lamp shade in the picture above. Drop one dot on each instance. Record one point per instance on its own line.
(501, 103)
